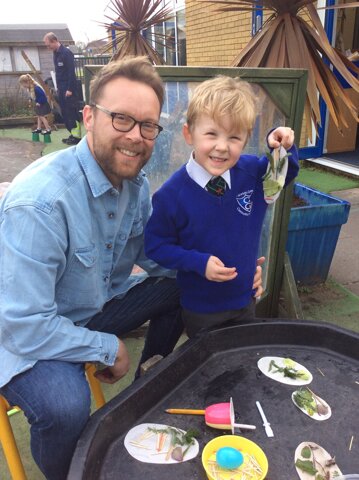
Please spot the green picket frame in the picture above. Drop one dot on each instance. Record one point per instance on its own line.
(287, 90)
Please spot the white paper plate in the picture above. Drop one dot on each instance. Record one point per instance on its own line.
(315, 416)
(148, 453)
(321, 455)
(263, 365)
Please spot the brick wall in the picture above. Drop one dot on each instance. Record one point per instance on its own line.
(213, 38)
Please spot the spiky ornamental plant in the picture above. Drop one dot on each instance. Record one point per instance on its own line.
(293, 37)
(130, 17)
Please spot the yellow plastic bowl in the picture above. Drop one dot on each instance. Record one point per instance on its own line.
(240, 443)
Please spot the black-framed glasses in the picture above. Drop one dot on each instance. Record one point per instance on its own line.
(124, 123)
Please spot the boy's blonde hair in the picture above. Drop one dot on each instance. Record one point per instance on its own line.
(221, 96)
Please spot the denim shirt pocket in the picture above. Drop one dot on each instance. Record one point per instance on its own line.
(137, 227)
(80, 283)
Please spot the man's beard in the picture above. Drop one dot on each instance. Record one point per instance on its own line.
(116, 169)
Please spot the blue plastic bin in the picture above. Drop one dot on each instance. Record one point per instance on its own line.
(313, 233)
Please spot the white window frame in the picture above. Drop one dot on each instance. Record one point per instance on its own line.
(177, 5)
(5, 60)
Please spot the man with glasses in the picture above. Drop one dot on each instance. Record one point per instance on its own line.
(71, 231)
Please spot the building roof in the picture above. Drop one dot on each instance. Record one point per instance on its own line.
(33, 34)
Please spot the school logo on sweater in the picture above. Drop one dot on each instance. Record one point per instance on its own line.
(244, 202)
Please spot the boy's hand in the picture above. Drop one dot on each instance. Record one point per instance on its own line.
(217, 272)
(118, 370)
(281, 136)
(257, 280)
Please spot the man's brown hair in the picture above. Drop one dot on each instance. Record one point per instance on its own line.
(138, 69)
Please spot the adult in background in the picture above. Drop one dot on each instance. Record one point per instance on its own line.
(66, 87)
(71, 231)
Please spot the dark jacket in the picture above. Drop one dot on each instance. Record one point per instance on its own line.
(65, 69)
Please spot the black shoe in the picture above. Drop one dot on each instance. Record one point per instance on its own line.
(73, 141)
(45, 132)
(38, 130)
(65, 140)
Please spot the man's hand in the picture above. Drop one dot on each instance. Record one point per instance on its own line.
(217, 272)
(68, 93)
(281, 136)
(257, 280)
(118, 370)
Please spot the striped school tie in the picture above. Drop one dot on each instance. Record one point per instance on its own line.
(217, 186)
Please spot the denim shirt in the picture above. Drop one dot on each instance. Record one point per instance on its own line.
(68, 243)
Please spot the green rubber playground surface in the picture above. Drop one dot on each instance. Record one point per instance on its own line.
(25, 134)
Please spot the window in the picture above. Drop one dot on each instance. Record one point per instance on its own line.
(11, 59)
(20, 64)
(5, 60)
(181, 38)
(257, 20)
(171, 42)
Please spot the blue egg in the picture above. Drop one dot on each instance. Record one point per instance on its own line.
(229, 457)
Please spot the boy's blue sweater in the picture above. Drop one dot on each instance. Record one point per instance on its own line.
(189, 224)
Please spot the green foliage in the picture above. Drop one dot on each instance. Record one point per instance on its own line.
(303, 398)
(306, 452)
(306, 466)
(287, 371)
(177, 436)
(13, 105)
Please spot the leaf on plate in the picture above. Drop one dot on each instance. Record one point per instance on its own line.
(306, 466)
(306, 452)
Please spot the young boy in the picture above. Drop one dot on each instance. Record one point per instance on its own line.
(210, 232)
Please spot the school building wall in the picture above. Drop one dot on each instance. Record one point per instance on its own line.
(214, 38)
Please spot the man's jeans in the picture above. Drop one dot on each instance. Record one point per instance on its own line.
(55, 395)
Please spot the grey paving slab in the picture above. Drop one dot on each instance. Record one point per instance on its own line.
(345, 265)
(15, 155)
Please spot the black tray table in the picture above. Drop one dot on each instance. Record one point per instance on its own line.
(220, 365)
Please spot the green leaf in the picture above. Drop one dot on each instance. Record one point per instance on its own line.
(177, 436)
(306, 466)
(271, 187)
(306, 452)
(271, 364)
(271, 161)
(289, 372)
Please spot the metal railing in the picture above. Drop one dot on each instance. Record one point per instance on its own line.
(81, 61)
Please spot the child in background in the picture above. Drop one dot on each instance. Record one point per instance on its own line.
(42, 107)
(207, 217)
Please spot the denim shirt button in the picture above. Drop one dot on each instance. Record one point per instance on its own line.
(109, 246)
(110, 215)
(106, 358)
